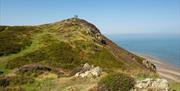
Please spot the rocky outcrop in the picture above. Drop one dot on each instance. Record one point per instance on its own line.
(150, 84)
(149, 65)
(89, 71)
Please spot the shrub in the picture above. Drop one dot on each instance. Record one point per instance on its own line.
(14, 39)
(116, 82)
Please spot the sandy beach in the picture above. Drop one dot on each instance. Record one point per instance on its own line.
(165, 70)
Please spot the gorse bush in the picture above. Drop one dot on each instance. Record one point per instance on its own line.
(116, 82)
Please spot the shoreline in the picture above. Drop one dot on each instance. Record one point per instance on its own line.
(165, 70)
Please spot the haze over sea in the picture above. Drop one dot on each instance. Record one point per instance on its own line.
(164, 47)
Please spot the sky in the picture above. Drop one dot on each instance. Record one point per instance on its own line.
(110, 16)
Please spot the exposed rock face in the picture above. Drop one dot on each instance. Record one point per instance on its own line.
(89, 71)
(151, 85)
(149, 65)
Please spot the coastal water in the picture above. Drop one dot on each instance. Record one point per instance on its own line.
(164, 47)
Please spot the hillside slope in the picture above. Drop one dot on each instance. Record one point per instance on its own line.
(26, 52)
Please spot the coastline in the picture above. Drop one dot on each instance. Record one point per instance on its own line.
(165, 70)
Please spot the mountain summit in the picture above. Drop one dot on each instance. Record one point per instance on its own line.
(63, 47)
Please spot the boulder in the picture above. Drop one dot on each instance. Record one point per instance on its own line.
(149, 65)
(89, 71)
(150, 84)
(86, 67)
(96, 71)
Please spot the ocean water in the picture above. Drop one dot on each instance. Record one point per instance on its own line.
(164, 47)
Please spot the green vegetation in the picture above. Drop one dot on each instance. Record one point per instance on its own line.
(55, 55)
(116, 82)
(2, 28)
(146, 74)
(28, 52)
(55, 52)
(105, 59)
(40, 85)
(174, 85)
(15, 80)
(14, 39)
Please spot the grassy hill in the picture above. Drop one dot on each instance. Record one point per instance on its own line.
(59, 49)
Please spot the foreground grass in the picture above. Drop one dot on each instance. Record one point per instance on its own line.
(116, 82)
(175, 85)
(46, 84)
(51, 83)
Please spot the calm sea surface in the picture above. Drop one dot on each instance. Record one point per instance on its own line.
(166, 48)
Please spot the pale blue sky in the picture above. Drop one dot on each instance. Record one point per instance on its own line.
(110, 16)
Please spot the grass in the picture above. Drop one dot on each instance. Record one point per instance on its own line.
(46, 84)
(18, 37)
(2, 28)
(50, 49)
(145, 74)
(105, 59)
(175, 85)
(54, 48)
(65, 45)
(55, 55)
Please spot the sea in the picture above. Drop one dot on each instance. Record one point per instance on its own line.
(164, 47)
